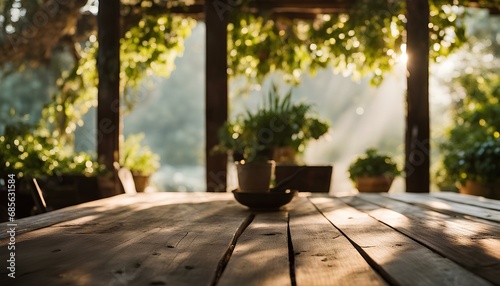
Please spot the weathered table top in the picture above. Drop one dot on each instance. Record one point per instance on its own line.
(209, 239)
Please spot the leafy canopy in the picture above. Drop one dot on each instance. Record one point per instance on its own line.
(369, 39)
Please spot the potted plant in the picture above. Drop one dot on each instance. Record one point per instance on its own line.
(243, 139)
(373, 172)
(470, 148)
(277, 130)
(477, 168)
(139, 159)
(66, 178)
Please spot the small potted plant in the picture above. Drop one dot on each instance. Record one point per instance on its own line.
(276, 131)
(289, 126)
(279, 129)
(373, 172)
(66, 177)
(139, 159)
(252, 153)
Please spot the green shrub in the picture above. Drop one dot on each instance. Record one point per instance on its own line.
(373, 164)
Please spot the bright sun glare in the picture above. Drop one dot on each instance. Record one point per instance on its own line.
(404, 56)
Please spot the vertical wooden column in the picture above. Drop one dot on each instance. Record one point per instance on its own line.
(108, 109)
(417, 128)
(216, 91)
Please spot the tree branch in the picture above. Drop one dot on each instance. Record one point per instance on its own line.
(33, 43)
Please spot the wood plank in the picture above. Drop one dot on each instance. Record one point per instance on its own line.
(261, 253)
(448, 207)
(398, 258)
(471, 244)
(195, 259)
(322, 255)
(158, 244)
(469, 200)
(88, 209)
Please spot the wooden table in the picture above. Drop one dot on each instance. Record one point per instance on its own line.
(209, 239)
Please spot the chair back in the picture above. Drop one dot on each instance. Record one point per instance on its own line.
(127, 180)
(38, 198)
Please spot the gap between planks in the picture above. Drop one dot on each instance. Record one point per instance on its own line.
(448, 207)
(469, 243)
(398, 258)
(322, 254)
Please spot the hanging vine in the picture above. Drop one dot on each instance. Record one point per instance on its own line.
(369, 39)
(148, 48)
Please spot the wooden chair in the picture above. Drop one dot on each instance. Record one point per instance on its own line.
(127, 180)
(37, 194)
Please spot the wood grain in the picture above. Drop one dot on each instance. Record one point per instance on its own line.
(469, 200)
(260, 256)
(448, 207)
(322, 255)
(398, 258)
(90, 209)
(150, 243)
(203, 239)
(472, 244)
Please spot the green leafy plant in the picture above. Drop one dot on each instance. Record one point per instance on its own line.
(31, 151)
(476, 122)
(366, 40)
(278, 122)
(373, 164)
(480, 162)
(139, 159)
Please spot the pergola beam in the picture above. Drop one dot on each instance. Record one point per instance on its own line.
(417, 148)
(108, 95)
(301, 6)
(216, 91)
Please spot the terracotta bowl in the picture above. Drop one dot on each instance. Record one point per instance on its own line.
(265, 200)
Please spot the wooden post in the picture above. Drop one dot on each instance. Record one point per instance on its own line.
(216, 94)
(108, 109)
(417, 126)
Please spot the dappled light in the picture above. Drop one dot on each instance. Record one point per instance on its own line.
(129, 130)
(186, 238)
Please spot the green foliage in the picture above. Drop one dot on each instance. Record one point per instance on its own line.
(480, 162)
(277, 123)
(477, 128)
(137, 158)
(372, 164)
(27, 151)
(474, 85)
(150, 47)
(367, 39)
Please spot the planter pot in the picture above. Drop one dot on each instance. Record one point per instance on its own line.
(314, 179)
(374, 184)
(141, 182)
(487, 190)
(284, 155)
(67, 190)
(255, 176)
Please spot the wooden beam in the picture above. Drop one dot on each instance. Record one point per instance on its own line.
(417, 125)
(108, 95)
(316, 6)
(216, 95)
